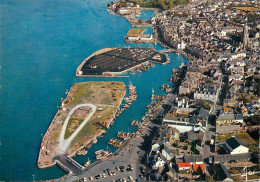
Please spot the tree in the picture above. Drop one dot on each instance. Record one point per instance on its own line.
(205, 105)
(189, 21)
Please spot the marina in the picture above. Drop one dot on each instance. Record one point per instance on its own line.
(115, 61)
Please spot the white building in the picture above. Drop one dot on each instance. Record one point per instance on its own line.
(235, 146)
(122, 11)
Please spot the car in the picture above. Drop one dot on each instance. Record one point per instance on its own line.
(138, 152)
(100, 175)
(121, 167)
(123, 179)
(210, 160)
(91, 178)
(84, 179)
(117, 168)
(97, 177)
(105, 171)
(131, 178)
(104, 175)
(108, 170)
(113, 173)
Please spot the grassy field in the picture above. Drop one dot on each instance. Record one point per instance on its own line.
(136, 31)
(70, 123)
(247, 8)
(244, 137)
(89, 129)
(96, 93)
(237, 178)
(255, 176)
(105, 95)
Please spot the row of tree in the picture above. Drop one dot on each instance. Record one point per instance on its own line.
(163, 4)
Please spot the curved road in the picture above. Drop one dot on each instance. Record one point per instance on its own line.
(63, 144)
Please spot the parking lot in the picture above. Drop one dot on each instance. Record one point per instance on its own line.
(126, 164)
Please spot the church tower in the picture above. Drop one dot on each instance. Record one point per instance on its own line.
(245, 37)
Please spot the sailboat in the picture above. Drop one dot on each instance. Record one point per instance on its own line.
(152, 94)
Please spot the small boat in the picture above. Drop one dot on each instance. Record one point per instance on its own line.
(94, 140)
(87, 163)
(89, 146)
(99, 152)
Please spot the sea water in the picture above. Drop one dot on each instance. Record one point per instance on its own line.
(42, 44)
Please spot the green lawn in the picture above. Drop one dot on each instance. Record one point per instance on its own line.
(89, 129)
(136, 31)
(67, 133)
(96, 93)
(83, 92)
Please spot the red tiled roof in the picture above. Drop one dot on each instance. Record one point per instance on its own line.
(196, 167)
(184, 164)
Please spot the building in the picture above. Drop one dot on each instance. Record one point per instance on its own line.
(245, 37)
(235, 146)
(221, 173)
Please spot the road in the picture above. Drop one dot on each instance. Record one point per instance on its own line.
(133, 151)
(63, 144)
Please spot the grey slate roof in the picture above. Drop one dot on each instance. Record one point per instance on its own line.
(203, 112)
(234, 142)
(221, 172)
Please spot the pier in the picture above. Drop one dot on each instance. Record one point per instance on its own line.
(68, 164)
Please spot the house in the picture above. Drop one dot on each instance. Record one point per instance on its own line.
(184, 166)
(197, 167)
(235, 146)
(221, 173)
(122, 11)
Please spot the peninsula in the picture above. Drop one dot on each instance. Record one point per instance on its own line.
(89, 108)
(115, 61)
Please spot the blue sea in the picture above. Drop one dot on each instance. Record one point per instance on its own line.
(41, 45)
